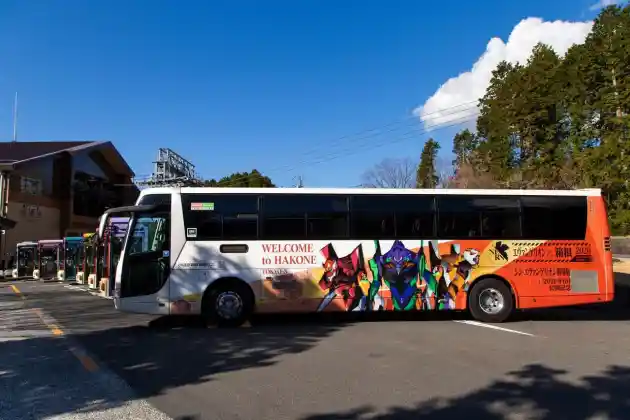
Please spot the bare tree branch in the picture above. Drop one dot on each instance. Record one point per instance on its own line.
(391, 173)
(445, 172)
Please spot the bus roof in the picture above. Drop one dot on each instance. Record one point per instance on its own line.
(50, 241)
(375, 191)
(26, 243)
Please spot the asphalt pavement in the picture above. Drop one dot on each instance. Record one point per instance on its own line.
(553, 364)
(45, 374)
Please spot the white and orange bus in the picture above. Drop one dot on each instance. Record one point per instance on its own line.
(226, 253)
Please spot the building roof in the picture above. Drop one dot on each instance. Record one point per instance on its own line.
(13, 154)
(14, 151)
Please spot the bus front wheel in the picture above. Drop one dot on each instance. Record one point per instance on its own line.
(490, 300)
(228, 304)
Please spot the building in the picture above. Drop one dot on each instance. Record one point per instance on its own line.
(59, 188)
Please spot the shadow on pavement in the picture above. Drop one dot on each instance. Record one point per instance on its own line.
(154, 355)
(150, 360)
(535, 391)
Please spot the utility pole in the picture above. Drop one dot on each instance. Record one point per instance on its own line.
(300, 182)
(15, 103)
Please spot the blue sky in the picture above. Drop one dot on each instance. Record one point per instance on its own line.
(287, 87)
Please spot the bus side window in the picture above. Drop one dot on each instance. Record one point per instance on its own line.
(372, 217)
(415, 216)
(229, 217)
(553, 217)
(491, 217)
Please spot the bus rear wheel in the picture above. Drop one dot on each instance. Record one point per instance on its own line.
(490, 300)
(227, 305)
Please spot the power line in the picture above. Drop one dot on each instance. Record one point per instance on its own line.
(413, 134)
(407, 135)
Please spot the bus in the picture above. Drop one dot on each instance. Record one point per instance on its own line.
(87, 256)
(70, 258)
(111, 247)
(27, 259)
(50, 252)
(226, 253)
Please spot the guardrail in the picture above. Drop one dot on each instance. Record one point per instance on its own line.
(620, 245)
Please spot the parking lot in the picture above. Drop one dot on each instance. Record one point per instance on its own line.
(553, 364)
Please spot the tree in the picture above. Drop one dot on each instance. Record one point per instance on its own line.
(426, 174)
(390, 173)
(464, 145)
(557, 122)
(253, 179)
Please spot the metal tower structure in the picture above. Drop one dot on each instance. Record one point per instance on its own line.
(171, 170)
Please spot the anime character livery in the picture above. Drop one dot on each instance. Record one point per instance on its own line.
(452, 272)
(341, 279)
(405, 274)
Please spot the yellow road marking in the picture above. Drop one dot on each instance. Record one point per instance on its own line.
(17, 291)
(88, 363)
(55, 330)
(52, 327)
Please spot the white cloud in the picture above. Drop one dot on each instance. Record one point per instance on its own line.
(604, 3)
(456, 99)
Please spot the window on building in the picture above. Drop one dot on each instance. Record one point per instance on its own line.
(93, 195)
(31, 185)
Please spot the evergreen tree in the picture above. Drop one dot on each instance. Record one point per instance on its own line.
(557, 122)
(464, 144)
(426, 175)
(253, 179)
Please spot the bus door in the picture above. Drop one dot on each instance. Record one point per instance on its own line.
(145, 264)
(115, 249)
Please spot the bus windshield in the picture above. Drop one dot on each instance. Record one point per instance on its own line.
(89, 258)
(146, 234)
(26, 260)
(26, 255)
(73, 253)
(49, 261)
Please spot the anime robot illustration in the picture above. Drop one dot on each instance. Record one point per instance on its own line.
(403, 272)
(341, 279)
(452, 272)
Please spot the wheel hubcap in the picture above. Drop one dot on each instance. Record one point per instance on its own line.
(491, 301)
(229, 305)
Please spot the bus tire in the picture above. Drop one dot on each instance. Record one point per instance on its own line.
(490, 300)
(229, 304)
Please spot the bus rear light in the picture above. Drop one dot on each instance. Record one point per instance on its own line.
(607, 243)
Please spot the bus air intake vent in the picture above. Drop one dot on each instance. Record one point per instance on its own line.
(607, 243)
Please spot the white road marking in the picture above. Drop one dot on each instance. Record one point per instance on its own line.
(86, 289)
(494, 327)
